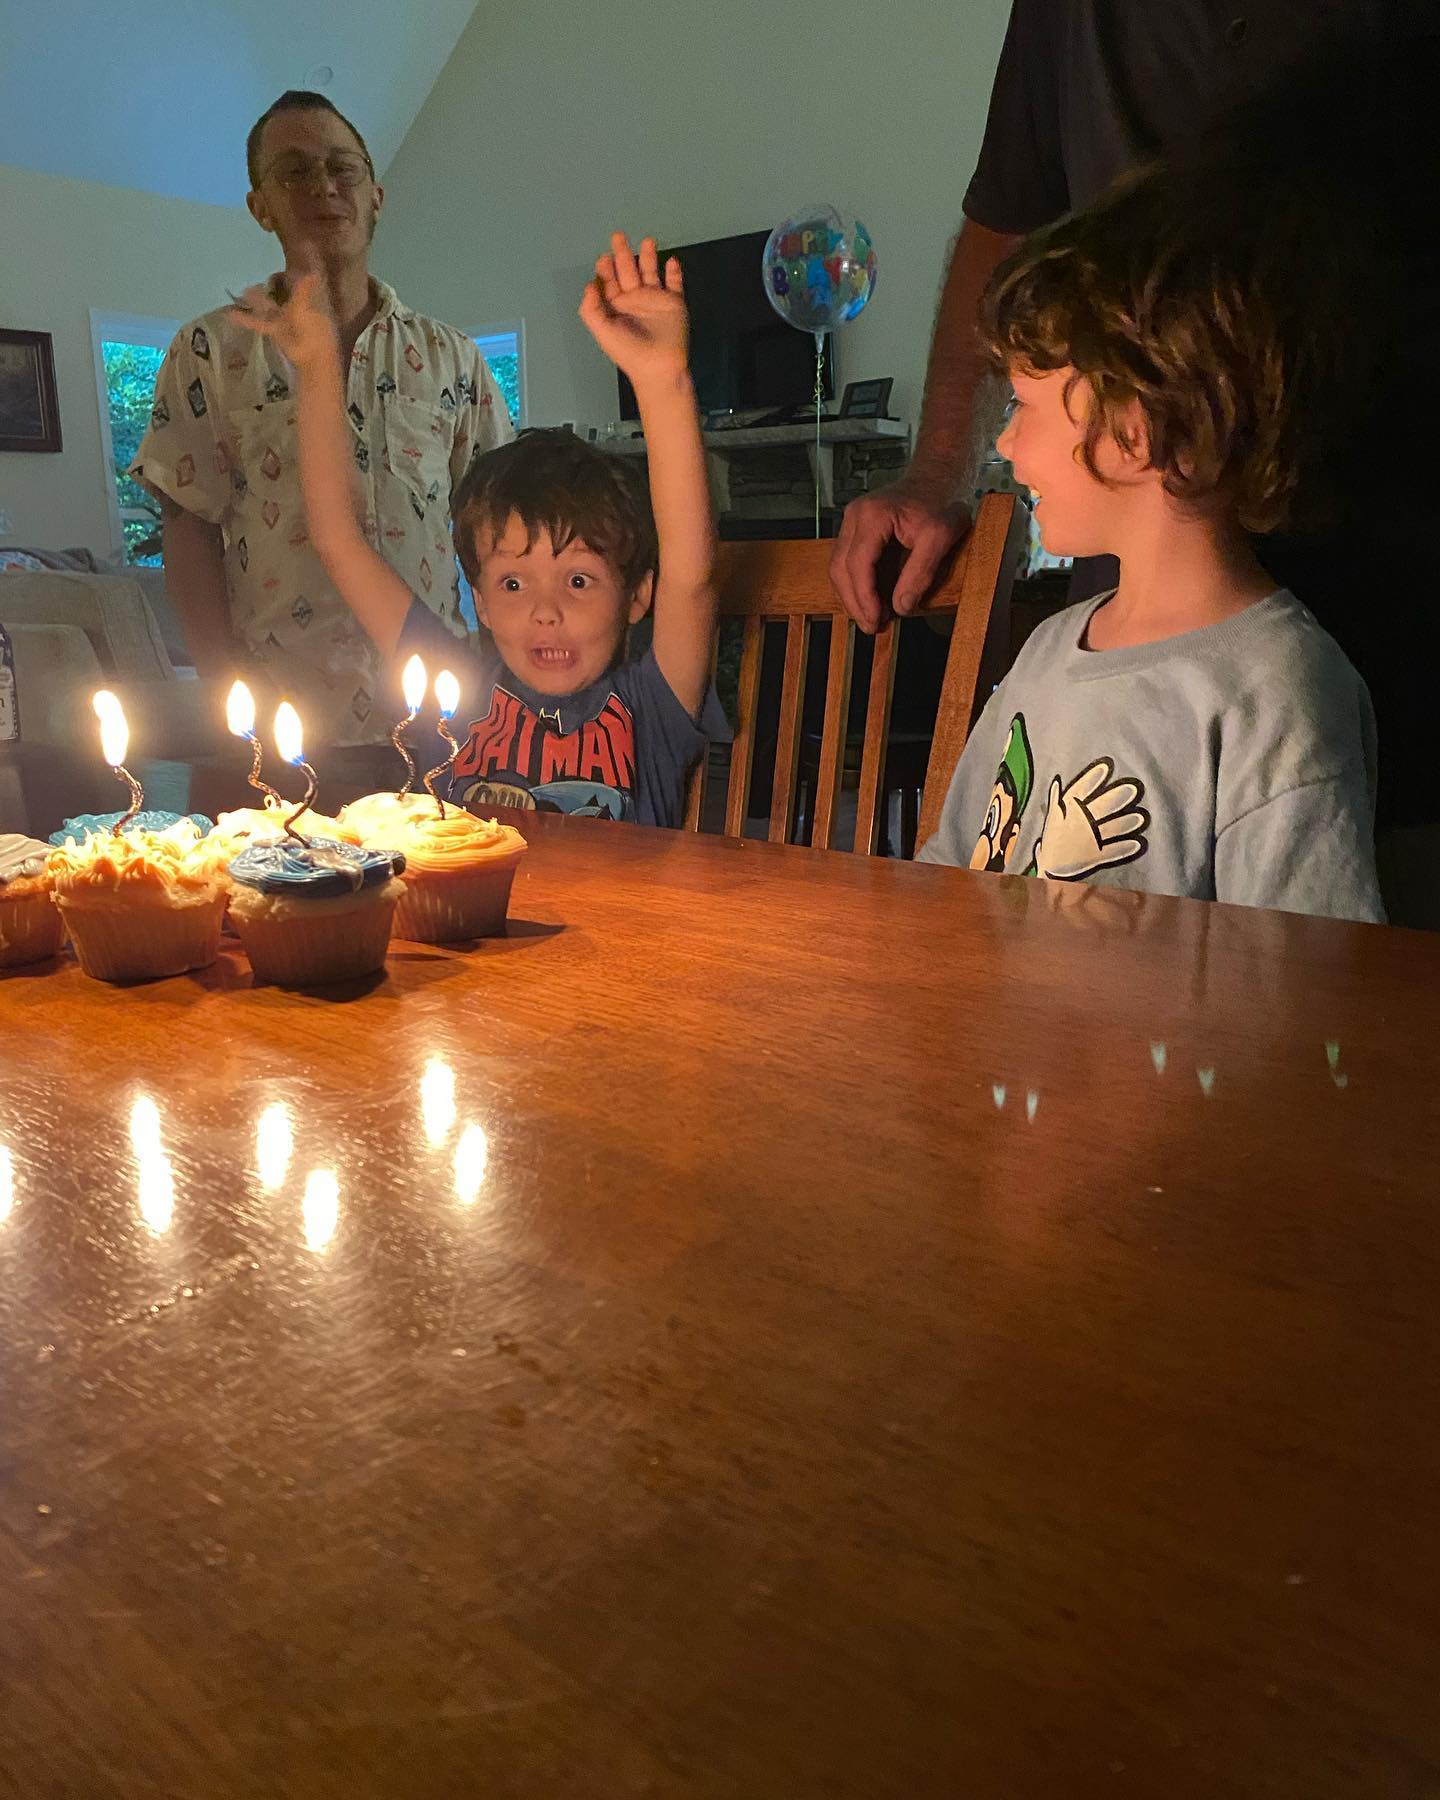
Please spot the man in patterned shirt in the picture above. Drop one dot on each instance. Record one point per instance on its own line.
(220, 453)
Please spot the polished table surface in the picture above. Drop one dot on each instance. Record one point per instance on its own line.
(777, 1324)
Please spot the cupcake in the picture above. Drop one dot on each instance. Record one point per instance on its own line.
(141, 904)
(375, 818)
(247, 825)
(30, 926)
(317, 914)
(87, 825)
(458, 874)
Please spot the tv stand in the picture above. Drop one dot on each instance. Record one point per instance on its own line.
(724, 448)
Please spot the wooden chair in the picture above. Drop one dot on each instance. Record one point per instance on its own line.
(790, 580)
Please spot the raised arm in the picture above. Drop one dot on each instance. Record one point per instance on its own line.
(637, 316)
(305, 332)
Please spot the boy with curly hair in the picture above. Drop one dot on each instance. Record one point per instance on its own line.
(1193, 731)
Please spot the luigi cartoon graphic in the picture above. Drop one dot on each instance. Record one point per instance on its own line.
(1014, 780)
(1092, 822)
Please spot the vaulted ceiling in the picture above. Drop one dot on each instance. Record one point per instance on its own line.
(159, 94)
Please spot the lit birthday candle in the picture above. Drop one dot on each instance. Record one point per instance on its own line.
(412, 685)
(114, 743)
(289, 741)
(240, 718)
(447, 695)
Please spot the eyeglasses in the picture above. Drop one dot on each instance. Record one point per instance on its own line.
(344, 168)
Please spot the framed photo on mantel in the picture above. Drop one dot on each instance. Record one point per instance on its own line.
(29, 409)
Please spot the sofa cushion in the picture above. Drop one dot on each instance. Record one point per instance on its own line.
(111, 610)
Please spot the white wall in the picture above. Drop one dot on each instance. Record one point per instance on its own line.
(692, 119)
(72, 245)
(550, 124)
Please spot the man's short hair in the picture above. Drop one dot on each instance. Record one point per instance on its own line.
(554, 482)
(295, 100)
(1227, 302)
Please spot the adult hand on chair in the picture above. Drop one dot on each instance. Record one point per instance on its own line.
(917, 517)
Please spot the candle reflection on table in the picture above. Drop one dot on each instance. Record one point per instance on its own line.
(7, 1183)
(274, 1142)
(437, 1100)
(320, 1208)
(155, 1178)
(472, 1154)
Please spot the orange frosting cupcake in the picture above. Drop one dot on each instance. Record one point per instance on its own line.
(458, 874)
(141, 905)
(377, 817)
(236, 831)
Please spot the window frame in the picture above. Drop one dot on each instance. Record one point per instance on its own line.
(488, 338)
(120, 328)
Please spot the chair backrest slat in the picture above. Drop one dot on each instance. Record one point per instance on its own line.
(787, 744)
(742, 751)
(789, 579)
(832, 736)
(877, 734)
(982, 609)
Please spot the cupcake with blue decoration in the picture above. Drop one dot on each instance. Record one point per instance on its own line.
(152, 820)
(312, 913)
(30, 927)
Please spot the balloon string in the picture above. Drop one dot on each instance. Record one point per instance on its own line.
(819, 397)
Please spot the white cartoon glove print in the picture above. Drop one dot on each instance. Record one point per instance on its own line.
(1094, 823)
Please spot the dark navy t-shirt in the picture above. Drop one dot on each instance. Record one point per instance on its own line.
(1086, 89)
(619, 749)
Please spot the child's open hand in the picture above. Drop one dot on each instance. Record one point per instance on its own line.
(293, 311)
(636, 315)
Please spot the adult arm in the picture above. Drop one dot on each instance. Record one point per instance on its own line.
(1018, 184)
(194, 556)
(925, 511)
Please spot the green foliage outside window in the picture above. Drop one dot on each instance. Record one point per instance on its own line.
(506, 370)
(130, 371)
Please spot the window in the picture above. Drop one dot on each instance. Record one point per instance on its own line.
(128, 354)
(503, 347)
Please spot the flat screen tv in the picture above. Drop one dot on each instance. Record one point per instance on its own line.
(742, 353)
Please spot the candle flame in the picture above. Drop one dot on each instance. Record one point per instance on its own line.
(447, 692)
(412, 684)
(240, 711)
(289, 739)
(114, 732)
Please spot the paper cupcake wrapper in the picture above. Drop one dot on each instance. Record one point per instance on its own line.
(293, 951)
(142, 943)
(444, 909)
(31, 929)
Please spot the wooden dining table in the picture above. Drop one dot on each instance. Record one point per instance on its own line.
(774, 1324)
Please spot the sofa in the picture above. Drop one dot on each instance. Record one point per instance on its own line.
(75, 625)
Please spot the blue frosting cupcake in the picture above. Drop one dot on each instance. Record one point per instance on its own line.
(322, 870)
(313, 914)
(86, 825)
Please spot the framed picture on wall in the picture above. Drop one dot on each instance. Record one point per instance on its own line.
(29, 410)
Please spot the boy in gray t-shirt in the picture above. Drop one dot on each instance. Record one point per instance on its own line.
(1194, 732)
